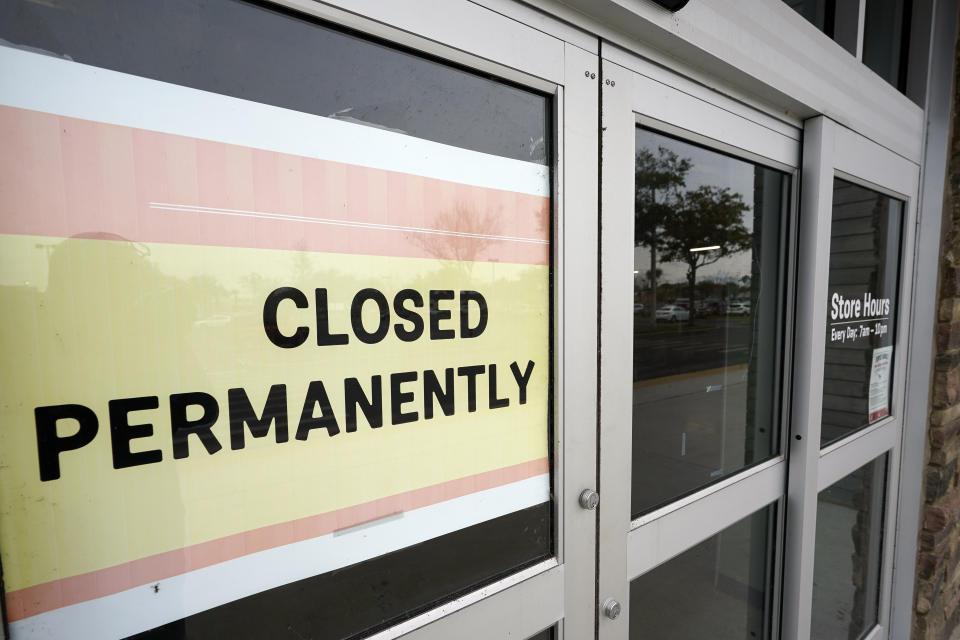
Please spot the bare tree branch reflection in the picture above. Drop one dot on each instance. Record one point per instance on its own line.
(464, 219)
(658, 181)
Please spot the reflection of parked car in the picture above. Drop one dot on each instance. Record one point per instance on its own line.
(739, 309)
(672, 313)
(638, 307)
(710, 307)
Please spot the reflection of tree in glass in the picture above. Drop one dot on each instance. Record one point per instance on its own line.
(707, 216)
(658, 181)
(479, 233)
(674, 222)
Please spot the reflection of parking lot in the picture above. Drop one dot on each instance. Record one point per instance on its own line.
(835, 554)
(711, 591)
(687, 431)
(709, 343)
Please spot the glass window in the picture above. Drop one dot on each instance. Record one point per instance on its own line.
(364, 597)
(862, 308)
(846, 570)
(886, 31)
(546, 634)
(886, 34)
(819, 13)
(278, 328)
(707, 308)
(247, 51)
(719, 589)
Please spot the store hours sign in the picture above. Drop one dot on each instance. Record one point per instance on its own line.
(855, 320)
(852, 320)
(861, 309)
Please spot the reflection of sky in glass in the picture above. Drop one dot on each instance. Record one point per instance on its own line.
(708, 168)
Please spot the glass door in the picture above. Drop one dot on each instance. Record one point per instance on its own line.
(854, 275)
(697, 203)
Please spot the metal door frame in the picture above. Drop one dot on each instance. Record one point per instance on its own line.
(831, 150)
(637, 92)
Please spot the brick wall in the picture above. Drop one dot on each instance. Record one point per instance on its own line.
(937, 614)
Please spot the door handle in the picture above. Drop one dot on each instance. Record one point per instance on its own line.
(589, 499)
(611, 608)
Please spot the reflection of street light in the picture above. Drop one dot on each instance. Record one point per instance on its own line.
(710, 248)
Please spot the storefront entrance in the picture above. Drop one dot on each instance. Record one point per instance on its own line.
(355, 321)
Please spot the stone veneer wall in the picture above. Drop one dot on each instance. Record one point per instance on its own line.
(937, 613)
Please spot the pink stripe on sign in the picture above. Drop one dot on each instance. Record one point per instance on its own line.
(31, 601)
(65, 177)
